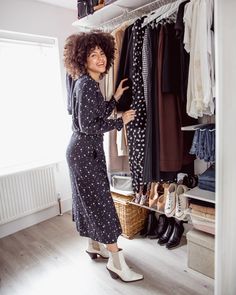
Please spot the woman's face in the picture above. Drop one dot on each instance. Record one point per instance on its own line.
(96, 61)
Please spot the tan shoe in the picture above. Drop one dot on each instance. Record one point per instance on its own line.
(153, 200)
(162, 199)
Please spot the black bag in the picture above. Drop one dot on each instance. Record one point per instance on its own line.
(92, 3)
(86, 7)
(83, 8)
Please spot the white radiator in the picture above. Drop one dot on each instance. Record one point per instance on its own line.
(26, 192)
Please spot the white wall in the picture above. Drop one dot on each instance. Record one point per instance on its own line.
(38, 18)
(225, 278)
(34, 17)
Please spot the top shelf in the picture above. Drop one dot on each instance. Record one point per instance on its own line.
(110, 12)
(200, 194)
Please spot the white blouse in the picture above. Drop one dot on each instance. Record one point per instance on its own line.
(198, 41)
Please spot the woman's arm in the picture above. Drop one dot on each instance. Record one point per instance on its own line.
(92, 120)
(106, 107)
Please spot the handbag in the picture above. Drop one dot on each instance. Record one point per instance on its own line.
(123, 183)
(92, 4)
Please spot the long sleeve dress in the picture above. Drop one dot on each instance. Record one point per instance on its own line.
(92, 208)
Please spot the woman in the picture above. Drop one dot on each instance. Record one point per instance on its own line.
(87, 57)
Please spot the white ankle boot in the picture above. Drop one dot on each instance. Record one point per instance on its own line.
(118, 268)
(95, 248)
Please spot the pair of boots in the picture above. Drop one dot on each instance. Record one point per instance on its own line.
(170, 231)
(116, 264)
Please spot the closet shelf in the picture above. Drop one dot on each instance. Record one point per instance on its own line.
(193, 127)
(117, 9)
(152, 209)
(199, 194)
(100, 16)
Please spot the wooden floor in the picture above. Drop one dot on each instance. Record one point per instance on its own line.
(50, 258)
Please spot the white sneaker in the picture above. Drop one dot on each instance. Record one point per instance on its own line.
(171, 200)
(181, 202)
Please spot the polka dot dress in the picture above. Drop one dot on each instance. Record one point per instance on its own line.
(136, 129)
(93, 208)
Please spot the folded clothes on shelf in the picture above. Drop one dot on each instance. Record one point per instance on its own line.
(206, 180)
(202, 224)
(206, 215)
(203, 145)
(203, 209)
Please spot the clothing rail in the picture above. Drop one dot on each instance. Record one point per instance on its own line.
(132, 14)
(163, 12)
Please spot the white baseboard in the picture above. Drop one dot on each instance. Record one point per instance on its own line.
(27, 221)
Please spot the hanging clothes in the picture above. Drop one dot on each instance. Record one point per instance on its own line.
(184, 55)
(147, 65)
(118, 146)
(151, 170)
(125, 67)
(136, 129)
(198, 39)
(121, 142)
(168, 105)
(70, 84)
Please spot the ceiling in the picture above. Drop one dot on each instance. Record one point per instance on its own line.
(71, 4)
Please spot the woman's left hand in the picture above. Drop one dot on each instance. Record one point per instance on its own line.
(120, 90)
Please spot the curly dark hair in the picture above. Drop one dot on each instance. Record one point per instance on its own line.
(78, 47)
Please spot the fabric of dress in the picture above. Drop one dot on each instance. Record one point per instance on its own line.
(93, 208)
(147, 64)
(136, 129)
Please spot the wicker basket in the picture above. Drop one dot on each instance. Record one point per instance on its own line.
(132, 217)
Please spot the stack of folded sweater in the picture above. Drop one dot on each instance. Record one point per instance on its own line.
(203, 218)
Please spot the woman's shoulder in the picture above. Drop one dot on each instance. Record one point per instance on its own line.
(85, 81)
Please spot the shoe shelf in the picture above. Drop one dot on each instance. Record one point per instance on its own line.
(200, 194)
(146, 207)
(153, 209)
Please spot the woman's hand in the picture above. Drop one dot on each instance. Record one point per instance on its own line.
(120, 90)
(128, 116)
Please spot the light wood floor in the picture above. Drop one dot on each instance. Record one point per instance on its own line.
(49, 258)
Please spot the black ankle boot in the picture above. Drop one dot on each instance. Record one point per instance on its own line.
(161, 227)
(152, 224)
(176, 235)
(166, 236)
